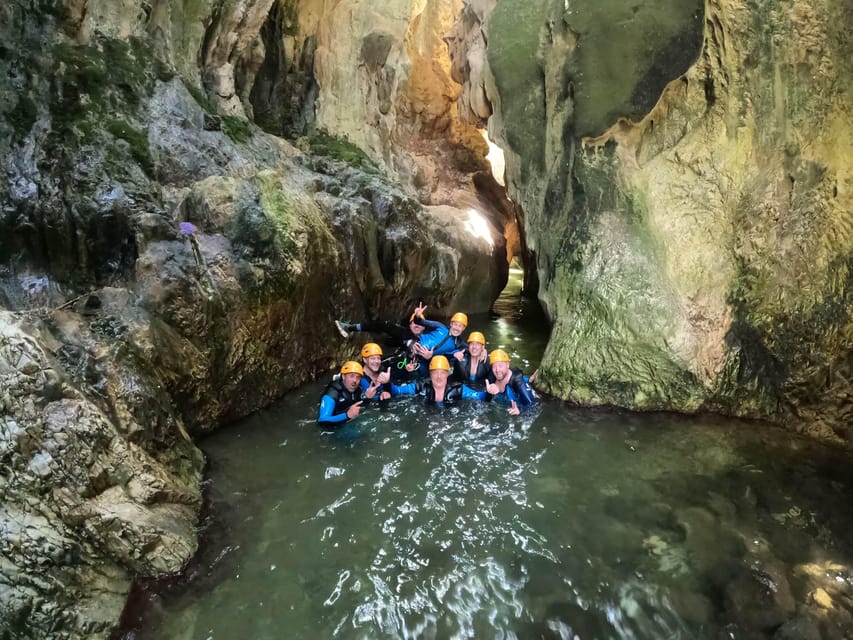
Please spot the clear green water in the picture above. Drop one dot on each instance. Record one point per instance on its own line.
(469, 523)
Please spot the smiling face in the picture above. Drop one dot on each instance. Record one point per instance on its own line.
(456, 328)
(475, 349)
(373, 363)
(416, 328)
(351, 381)
(438, 377)
(500, 370)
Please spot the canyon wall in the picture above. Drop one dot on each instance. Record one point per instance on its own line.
(168, 262)
(167, 266)
(685, 174)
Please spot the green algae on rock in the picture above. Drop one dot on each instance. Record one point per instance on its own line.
(696, 253)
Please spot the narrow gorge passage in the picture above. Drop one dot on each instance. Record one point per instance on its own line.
(470, 523)
(192, 191)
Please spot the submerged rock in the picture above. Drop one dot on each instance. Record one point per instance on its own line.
(760, 598)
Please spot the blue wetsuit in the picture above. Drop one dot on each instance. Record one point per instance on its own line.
(439, 339)
(334, 404)
(518, 389)
(435, 334)
(390, 387)
(462, 372)
(454, 392)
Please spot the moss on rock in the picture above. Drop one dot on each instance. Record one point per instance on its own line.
(238, 129)
(322, 143)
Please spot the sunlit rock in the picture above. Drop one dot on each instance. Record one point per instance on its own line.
(689, 206)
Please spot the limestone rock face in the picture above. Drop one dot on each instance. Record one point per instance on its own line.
(694, 252)
(389, 87)
(98, 483)
(165, 267)
(467, 45)
(398, 100)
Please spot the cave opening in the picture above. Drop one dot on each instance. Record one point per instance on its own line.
(521, 270)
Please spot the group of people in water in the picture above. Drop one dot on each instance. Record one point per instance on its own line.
(430, 360)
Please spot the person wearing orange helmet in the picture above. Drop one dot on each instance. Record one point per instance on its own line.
(404, 336)
(399, 333)
(443, 341)
(342, 399)
(473, 366)
(375, 382)
(508, 384)
(439, 390)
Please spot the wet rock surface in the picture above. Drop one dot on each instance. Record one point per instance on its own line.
(167, 267)
(693, 251)
(98, 483)
(692, 244)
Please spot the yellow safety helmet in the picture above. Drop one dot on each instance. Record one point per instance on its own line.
(352, 367)
(460, 317)
(439, 362)
(498, 355)
(371, 349)
(476, 336)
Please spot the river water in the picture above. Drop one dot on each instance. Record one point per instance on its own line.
(470, 523)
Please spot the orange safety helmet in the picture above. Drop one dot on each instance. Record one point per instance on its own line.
(439, 362)
(476, 336)
(352, 367)
(498, 355)
(371, 349)
(460, 317)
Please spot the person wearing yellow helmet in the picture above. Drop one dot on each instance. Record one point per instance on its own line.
(508, 385)
(438, 390)
(444, 341)
(342, 398)
(400, 333)
(405, 336)
(473, 367)
(375, 382)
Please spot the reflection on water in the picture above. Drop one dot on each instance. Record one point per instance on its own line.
(469, 523)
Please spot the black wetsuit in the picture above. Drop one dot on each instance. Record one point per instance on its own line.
(334, 404)
(518, 389)
(402, 337)
(454, 392)
(400, 334)
(462, 372)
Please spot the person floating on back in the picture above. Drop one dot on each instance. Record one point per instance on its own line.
(508, 385)
(404, 338)
(438, 390)
(342, 399)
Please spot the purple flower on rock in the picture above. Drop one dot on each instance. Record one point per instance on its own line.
(187, 228)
